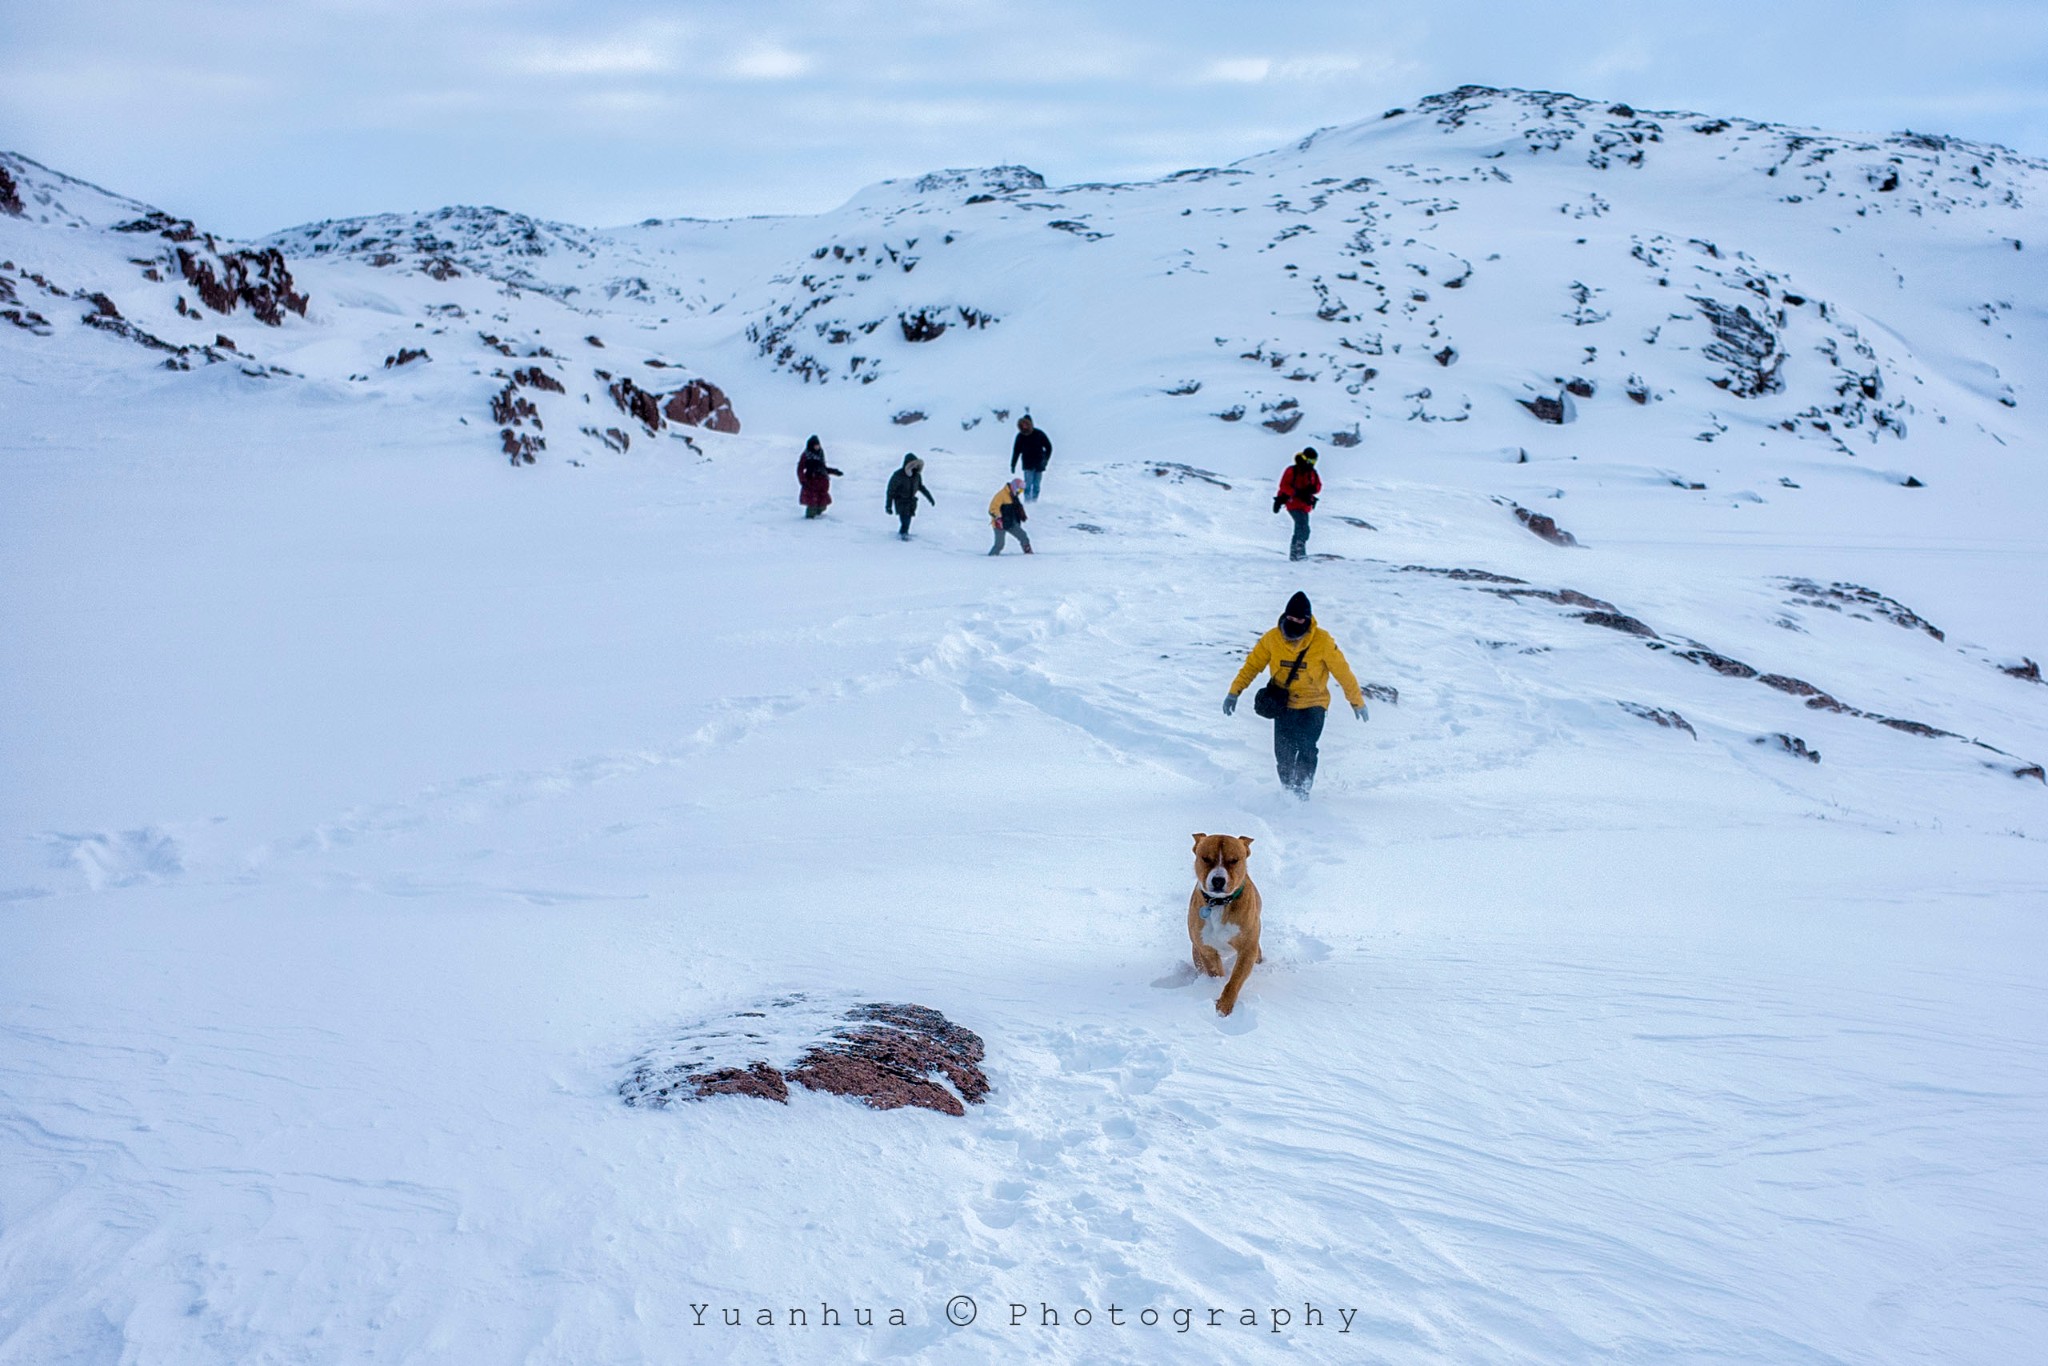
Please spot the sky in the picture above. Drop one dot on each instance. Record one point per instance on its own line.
(253, 115)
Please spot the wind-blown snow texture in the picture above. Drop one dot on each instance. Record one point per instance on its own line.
(374, 803)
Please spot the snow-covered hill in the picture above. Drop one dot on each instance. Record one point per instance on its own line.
(423, 700)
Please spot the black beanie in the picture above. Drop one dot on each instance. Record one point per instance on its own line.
(1297, 606)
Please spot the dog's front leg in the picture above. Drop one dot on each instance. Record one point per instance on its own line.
(1247, 954)
(1206, 958)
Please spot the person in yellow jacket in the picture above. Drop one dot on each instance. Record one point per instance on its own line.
(1302, 658)
(1006, 515)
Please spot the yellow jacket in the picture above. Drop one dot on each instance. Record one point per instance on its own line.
(1005, 494)
(1312, 684)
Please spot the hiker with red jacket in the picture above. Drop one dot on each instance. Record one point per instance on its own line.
(1299, 488)
(814, 480)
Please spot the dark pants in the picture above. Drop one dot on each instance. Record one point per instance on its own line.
(1016, 531)
(1295, 732)
(903, 523)
(1298, 548)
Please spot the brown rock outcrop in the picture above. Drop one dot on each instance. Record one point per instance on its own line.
(888, 1056)
(1543, 526)
(700, 403)
(634, 401)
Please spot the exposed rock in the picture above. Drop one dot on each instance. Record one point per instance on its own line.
(1798, 687)
(106, 318)
(521, 447)
(888, 1056)
(897, 1058)
(1544, 409)
(634, 401)
(10, 195)
(512, 410)
(1670, 720)
(2026, 670)
(1462, 575)
(1746, 345)
(2033, 771)
(1543, 526)
(1791, 744)
(1233, 414)
(1182, 473)
(1286, 416)
(1563, 597)
(1347, 438)
(908, 417)
(921, 326)
(225, 278)
(1916, 728)
(1720, 664)
(757, 1079)
(1383, 692)
(28, 320)
(1582, 388)
(610, 436)
(1446, 356)
(701, 403)
(407, 355)
(1835, 597)
(1618, 621)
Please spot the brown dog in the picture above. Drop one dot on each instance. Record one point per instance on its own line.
(1224, 911)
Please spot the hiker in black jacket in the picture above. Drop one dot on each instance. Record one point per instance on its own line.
(1033, 450)
(904, 486)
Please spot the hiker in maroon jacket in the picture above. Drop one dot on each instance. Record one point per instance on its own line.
(814, 479)
(1299, 488)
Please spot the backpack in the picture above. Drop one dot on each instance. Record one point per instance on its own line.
(1271, 700)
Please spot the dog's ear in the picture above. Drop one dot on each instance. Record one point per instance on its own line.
(1246, 840)
(1199, 837)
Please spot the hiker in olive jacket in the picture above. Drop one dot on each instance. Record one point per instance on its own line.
(904, 486)
(1006, 515)
(1302, 658)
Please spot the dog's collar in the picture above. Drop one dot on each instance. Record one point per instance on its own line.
(1210, 903)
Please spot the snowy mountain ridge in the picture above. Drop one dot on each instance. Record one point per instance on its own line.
(435, 736)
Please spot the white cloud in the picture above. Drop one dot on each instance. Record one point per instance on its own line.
(648, 50)
(1259, 70)
(770, 62)
(1242, 70)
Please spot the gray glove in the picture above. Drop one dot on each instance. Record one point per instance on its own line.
(1359, 711)
(1229, 704)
